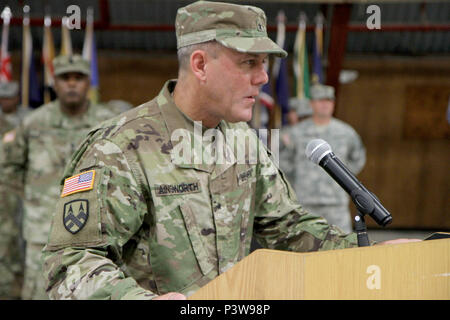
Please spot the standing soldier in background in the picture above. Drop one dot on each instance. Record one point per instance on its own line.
(11, 243)
(11, 113)
(298, 110)
(315, 189)
(34, 157)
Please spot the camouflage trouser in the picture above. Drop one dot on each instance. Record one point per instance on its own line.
(11, 253)
(338, 215)
(11, 272)
(34, 283)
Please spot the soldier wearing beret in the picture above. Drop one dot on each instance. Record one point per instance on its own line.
(35, 154)
(315, 189)
(11, 244)
(135, 220)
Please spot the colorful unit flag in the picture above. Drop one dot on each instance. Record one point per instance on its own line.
(264, 103)
(90, 54)
(265, 95)
(31, 95)
(300, 61)
(5, 59)
(66, 41)
(80, 182)
(317, 75)
(280, 69)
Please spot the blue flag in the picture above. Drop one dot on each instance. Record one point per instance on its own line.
(30, 91)
(90, 54)
(35, 94)
(282, 88)
(280, 70)
(94, 67)
(317, 74)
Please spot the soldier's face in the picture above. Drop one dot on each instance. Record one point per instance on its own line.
(233, 82)
(9, 105)
(72, 88)
(292, 117)
(323, 108)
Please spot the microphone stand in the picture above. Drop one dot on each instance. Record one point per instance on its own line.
(365, 205)
(361, 231)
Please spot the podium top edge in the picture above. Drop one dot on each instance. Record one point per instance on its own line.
(285, 252)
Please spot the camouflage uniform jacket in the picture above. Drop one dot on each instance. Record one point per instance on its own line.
(156, 226)
(10, 121)
(33, 162)
(10, 203)
(312, 184)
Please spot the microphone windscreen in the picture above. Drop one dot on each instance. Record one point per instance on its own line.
(317, 149)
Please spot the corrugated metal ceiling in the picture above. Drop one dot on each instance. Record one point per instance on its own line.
(162, 12)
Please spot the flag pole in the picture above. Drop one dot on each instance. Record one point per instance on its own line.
(48, 53)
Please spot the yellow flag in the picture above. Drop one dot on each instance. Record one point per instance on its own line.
(66, 41)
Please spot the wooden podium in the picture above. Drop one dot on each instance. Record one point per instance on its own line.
(416, 270)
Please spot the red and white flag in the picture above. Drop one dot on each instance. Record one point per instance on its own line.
(5, 59)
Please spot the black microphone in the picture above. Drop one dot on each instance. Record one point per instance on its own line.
(319, 152)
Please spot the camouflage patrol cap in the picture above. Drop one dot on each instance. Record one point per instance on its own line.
(71, 63)
(238, 27)
(9, 89)
(301, 106)
(320, 91)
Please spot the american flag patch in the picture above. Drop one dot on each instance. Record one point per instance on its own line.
(81, 182)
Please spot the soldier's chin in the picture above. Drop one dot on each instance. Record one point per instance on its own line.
(248, 113)
(72, 103)
(244, 117)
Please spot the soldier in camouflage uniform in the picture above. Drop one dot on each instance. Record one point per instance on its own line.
(11, 244)
(11, 112)
(35, 156)
(136, 222)
(298, 109)
(315, 189)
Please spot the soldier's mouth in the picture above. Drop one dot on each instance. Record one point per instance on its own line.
(252, 97)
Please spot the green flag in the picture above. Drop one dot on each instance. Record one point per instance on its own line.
(300, 61)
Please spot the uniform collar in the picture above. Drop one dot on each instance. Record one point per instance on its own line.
(173, 116)
(176, 119)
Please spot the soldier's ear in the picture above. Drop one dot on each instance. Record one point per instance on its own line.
(198, 64)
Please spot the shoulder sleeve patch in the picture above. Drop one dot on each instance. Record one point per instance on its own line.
(77, 217)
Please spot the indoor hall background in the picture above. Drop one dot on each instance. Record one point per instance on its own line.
(398, 102)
